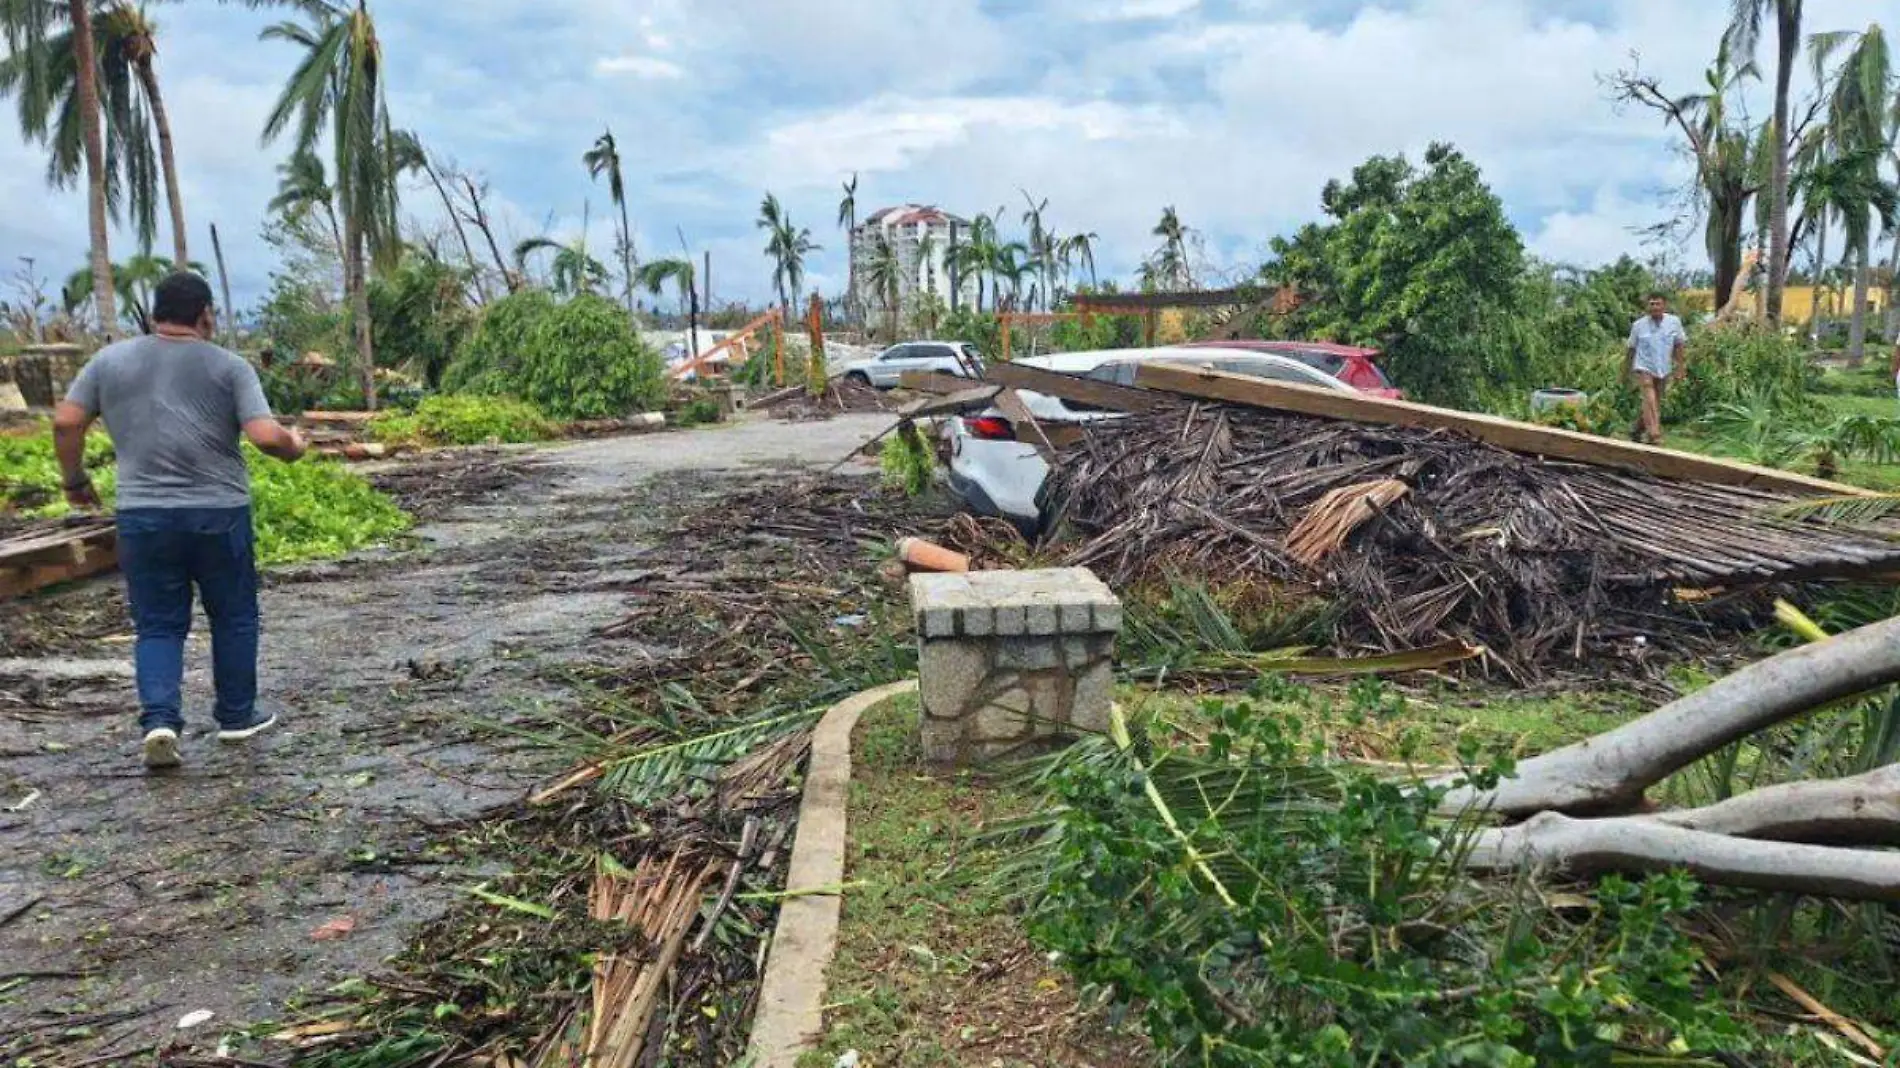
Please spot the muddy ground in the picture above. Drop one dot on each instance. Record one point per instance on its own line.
(129, 900)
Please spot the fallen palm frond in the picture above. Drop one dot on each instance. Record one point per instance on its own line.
(1859, 511)
(1543, 563)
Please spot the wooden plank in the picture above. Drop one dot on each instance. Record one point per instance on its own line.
(1504, 433)
(933, 382)
(1074, 388)
(737, 339)
(95, 552)
(336, 418)
(977, 397)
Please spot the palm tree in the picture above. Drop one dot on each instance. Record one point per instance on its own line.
(127, 37)
(301, 184)
(572, 271)
(52, 63)
(1080, 248)
(1041, 242)
(604, 158)
(1742, 39)
(133, 283)
(1170, 260)
(977, 256)
(884, 274)
(848, 222)
(339, 82)
(654, 276)
(1860, 108)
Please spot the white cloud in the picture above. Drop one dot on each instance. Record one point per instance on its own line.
(640, 67)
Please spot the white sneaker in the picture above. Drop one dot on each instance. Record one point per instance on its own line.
(161, 748)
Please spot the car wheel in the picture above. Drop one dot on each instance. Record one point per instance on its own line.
(858, 378)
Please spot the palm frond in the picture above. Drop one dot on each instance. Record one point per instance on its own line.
(1844, 511)
(660, 771)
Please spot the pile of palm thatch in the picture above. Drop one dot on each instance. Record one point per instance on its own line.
(1423, 536)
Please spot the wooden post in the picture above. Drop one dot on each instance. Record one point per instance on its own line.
(817, 374)
(708, 282)
(778, 352)
(1153, 322)
(1002, 325)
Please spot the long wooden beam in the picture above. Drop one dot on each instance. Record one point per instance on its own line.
(1504, 433)
(739, 336)
(45, 558)
(1073, 388)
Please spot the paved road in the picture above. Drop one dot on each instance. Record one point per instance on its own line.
(199, 890)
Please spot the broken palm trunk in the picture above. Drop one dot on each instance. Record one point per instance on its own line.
(1424, 536)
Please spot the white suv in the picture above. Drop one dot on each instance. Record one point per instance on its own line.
(884, 371)
(995, 474)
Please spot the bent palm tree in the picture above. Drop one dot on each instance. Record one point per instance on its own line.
(1080, 248)
(654, 276)
(1860, 110)
(301, 185)
(604, 158)
(884, 274)
(571, 272)
(406, 154)
(339, 82)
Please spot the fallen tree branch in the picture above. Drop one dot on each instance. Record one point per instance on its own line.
(1862, 810)
(1645, 844)
(1612, 770)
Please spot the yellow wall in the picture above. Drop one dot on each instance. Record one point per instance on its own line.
(1797, 302)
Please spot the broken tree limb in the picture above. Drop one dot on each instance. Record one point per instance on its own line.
(1861, 810)
(1642, 844)
(1612, 770)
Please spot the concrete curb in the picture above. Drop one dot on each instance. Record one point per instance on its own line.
(792, 996)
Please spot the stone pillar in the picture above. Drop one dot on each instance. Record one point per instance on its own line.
(1012, 661)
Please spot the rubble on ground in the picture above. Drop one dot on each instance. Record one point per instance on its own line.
(1422, 536)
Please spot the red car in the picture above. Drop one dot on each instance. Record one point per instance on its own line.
(1354, 366)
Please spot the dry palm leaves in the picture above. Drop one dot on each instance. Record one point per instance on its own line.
(1541, 562)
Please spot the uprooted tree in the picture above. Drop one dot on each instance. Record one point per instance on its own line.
(1582, 808)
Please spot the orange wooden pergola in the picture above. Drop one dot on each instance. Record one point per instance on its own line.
(1148, 306)
(740, 342)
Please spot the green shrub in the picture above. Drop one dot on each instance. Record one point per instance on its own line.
(448, 419)
(1742, 365)
(580, 359)
(30, 477)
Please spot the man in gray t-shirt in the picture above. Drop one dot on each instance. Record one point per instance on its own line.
(175, 406)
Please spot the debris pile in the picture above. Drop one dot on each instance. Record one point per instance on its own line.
(842, 395)
(1423, 536)
(429, 485)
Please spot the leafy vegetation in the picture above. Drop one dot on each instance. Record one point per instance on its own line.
(580, 359)
(302, 511)
(907, 462)
(448, 419)
(1259, 902)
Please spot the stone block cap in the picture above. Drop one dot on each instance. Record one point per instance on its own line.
(985, 604)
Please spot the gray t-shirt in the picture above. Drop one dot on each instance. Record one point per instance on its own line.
(175, 410)
(1655, 344)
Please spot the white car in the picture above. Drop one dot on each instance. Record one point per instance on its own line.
(884, 371)
(997, 475)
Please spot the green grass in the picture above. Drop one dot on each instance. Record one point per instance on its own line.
(932, 966)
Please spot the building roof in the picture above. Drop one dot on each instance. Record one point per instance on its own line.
(907, 214)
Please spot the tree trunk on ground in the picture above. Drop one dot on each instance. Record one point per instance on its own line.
(1611, 771)
(91, 123)
(1640, 844)
(1862, 810)
(1788, 48)
(1857, 325)
(229, 318)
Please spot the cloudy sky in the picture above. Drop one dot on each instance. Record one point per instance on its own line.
(1234, 111)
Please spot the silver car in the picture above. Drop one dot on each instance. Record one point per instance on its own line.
(884, 371)
(997, 475)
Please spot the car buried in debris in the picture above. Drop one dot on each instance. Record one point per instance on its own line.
(996, 474)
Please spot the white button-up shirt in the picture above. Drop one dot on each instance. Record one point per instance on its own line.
(1655, 344)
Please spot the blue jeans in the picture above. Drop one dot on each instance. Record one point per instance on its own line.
(164, 552)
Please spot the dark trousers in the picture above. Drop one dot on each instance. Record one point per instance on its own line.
(164, 553)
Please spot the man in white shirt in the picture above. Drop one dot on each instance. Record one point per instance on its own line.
(1656, 357)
